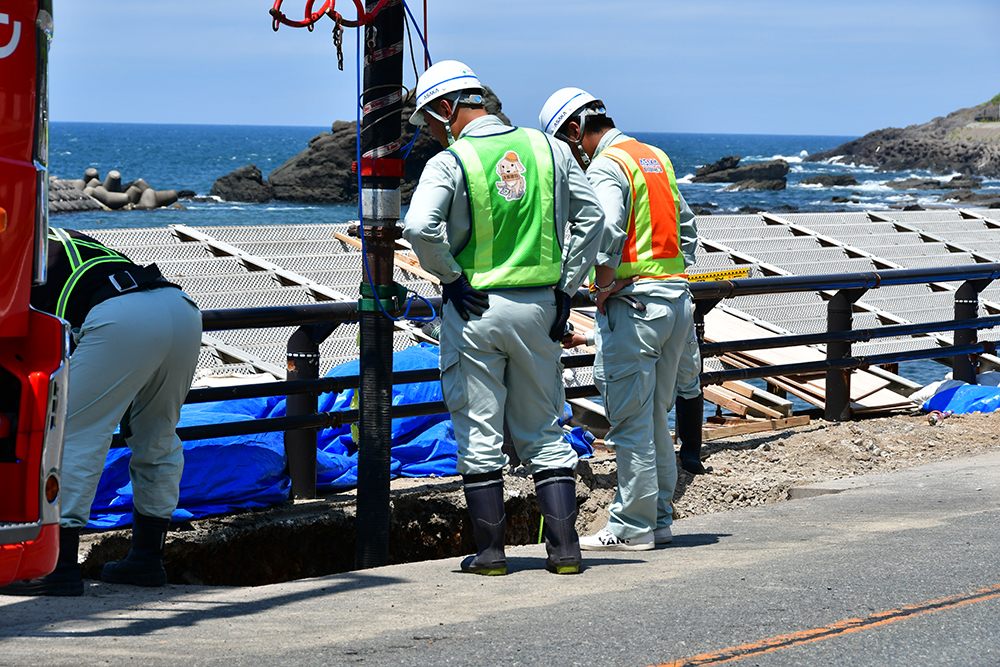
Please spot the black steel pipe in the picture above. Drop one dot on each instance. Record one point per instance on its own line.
(724, 289)
(718, 377)
(319, 386)
(854, 336)
(964, 368)
(381, 141)
(839, 317)
(300, 444)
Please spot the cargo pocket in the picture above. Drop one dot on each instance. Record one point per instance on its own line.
(624, 392)
(453, 380)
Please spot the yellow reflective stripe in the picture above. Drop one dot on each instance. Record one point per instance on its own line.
(75, 277)
(541, 148)
(526, 276)
(480, 205)
(72, 254)
(640, 201)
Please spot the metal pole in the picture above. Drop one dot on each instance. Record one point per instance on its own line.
(380, 170)
(964, 367)
(300, 444)
(839, 317)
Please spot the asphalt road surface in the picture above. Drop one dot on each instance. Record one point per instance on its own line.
(899, 569)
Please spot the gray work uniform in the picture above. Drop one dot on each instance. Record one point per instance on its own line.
(643, 360)
(503, 360)
(139, 349)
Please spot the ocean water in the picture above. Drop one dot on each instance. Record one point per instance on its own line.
(192, 157)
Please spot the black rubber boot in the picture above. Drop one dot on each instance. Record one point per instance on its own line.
(144, 564)
(556, 490)
(484, 496)
(688, 429)
(65, 580)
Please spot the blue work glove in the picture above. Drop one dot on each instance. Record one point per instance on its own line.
(465, 297)
(558, 330)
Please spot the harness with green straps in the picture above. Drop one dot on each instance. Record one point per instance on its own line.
(75, 249)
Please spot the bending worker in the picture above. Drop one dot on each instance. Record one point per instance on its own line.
(645, 323)
(137, 339)
(487, 218)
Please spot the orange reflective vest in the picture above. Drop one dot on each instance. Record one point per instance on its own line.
(652, 249)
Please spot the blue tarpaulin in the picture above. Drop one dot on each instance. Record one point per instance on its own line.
(964, 399)
(248, 471)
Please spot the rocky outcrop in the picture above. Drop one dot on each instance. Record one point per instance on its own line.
(756, 176)
(722, 165)
(246, 184)
(830, 180)
(753, 184)
(322, 172)
(955, 183)
(915, 184)
(944, 145)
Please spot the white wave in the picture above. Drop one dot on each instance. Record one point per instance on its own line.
(811, 186)
(686, 179)
(790, 159)
(872, 186)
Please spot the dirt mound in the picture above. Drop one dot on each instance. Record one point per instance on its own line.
(761, 468)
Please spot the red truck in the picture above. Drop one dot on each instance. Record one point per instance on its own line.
(34, 346)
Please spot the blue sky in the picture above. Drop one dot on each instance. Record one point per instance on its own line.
(715, 66)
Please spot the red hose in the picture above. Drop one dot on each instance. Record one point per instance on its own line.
(311, 17)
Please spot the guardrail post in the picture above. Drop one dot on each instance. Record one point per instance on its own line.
(965, 366)
(839, 317)
(300, 444)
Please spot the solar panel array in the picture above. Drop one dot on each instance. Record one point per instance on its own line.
(258, 266)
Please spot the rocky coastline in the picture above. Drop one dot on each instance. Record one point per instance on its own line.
(322, 173)
(966, 141)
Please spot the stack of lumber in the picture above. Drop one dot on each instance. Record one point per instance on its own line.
(869, 393)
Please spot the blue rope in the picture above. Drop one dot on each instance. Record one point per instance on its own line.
(361, 217)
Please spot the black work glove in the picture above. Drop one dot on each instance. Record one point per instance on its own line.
(558, 330)
(465, 297)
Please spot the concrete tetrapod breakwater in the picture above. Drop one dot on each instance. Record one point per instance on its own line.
(113, 195)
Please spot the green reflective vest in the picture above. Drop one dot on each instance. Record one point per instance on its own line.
(76, 250)
(511, 186)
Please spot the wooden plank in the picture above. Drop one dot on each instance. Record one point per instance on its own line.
(725, 399)
(754, 427)
(779, 406)
(409, 264)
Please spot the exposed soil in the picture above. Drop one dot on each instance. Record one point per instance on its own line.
(429, 518)
(758, 469)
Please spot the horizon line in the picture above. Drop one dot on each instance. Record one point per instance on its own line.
(121, 122)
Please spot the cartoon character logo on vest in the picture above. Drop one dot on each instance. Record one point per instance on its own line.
(511, 185)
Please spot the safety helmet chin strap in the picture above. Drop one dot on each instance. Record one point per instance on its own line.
(584, 158)
(460, 98)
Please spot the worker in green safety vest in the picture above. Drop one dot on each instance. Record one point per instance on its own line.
(488, 219)
(647, 351)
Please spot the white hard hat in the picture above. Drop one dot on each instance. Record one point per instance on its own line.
(447, 76)
(561, 105)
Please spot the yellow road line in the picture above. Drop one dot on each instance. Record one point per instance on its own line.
(834, 629)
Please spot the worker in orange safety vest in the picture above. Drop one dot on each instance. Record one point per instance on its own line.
(647, 351)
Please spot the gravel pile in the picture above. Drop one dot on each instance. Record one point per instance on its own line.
(756, 469)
